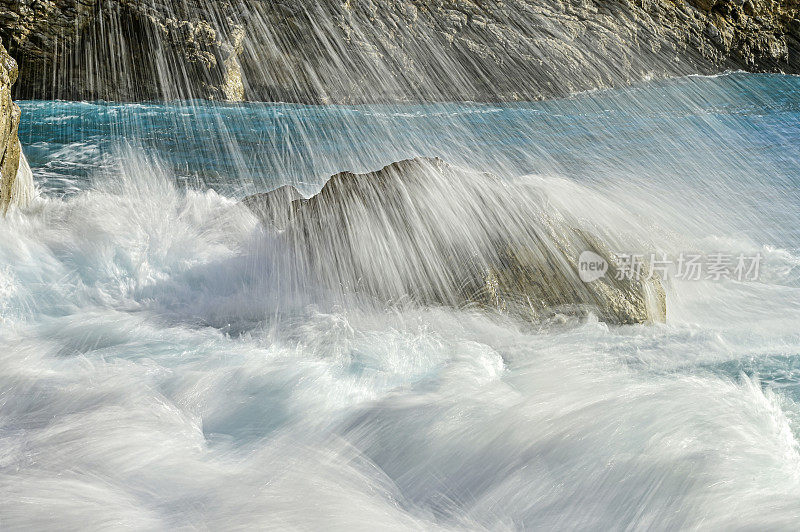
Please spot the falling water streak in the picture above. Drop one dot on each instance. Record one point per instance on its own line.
(161, 367)
(349, 52)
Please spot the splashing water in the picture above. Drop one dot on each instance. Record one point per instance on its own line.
(158, 371)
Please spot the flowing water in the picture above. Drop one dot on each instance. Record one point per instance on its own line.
(155, 375)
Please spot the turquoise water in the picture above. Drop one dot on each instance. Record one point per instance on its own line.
(694, 135)
(153, 373)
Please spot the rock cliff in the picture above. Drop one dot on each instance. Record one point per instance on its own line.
(384, 50)
(15, 178)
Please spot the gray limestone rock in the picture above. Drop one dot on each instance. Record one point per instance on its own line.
(383, 50)
(433, 233)
(11, 191)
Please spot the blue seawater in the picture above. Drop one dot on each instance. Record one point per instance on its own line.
(151, 378)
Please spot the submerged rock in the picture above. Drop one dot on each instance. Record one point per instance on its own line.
(425, 230)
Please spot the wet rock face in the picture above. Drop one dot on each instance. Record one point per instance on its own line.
(384, 50)
(9, 121)
(122, 49)
(425, 231)
(274, 208)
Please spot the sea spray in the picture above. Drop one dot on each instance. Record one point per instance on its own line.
(157, 370)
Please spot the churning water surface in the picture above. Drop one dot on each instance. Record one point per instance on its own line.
(153, 376)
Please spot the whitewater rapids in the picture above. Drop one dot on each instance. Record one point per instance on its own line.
(154, 376)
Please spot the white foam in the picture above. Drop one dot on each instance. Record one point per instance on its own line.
(153, 378)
